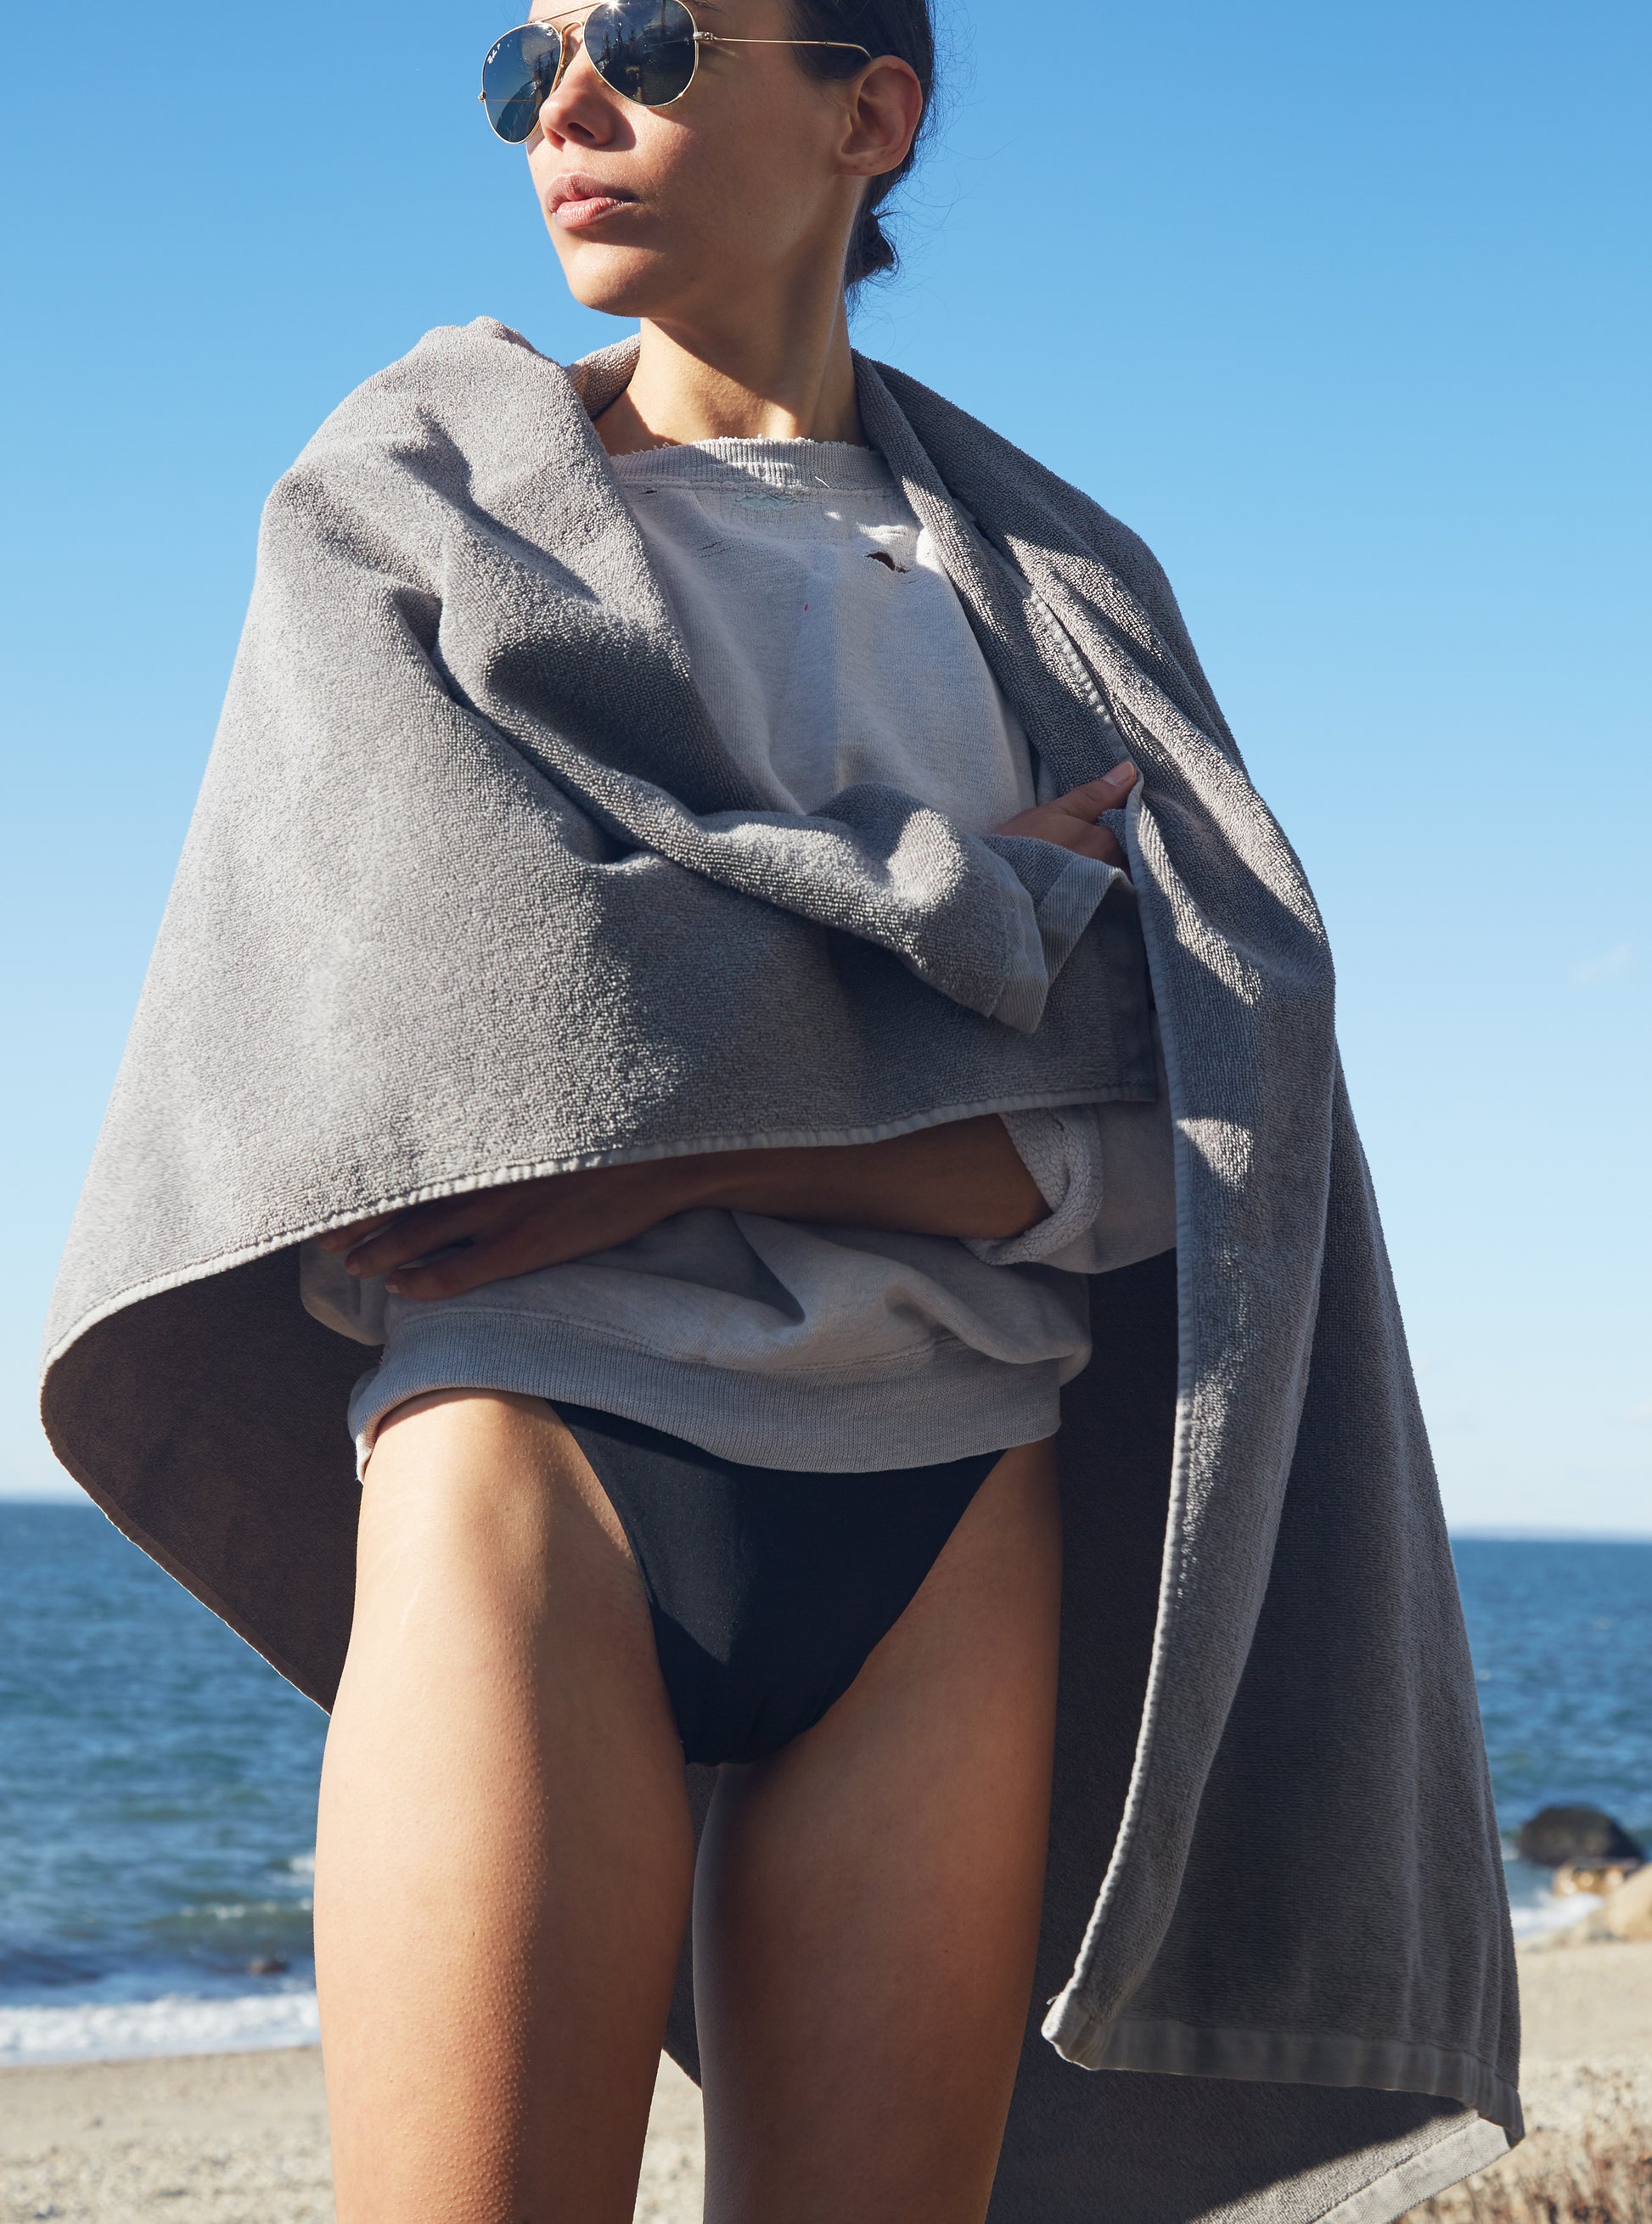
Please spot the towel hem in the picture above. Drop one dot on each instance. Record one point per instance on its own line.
(1421, 2176)
(1284, 2058)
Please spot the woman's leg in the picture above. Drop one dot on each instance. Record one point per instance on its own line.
(504, 1855)
(866, 1913)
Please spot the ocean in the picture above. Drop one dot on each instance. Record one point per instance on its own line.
(157, 1780)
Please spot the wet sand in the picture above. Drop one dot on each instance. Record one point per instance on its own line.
(241, 2138)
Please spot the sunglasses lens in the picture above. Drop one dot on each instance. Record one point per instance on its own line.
(516, 79)
(643, 48)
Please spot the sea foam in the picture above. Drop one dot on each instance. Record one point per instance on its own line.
(178, 2023)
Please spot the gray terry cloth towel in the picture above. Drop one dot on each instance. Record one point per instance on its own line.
(472, 893)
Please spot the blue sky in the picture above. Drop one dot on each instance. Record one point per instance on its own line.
(1345, 310)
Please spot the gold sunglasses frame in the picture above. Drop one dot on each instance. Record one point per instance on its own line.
(701, 39)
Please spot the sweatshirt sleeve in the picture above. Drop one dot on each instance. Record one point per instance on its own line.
(1049, 923)
(1107, 1172)
(1060, 1148)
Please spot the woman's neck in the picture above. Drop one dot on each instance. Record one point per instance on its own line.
(794, 380)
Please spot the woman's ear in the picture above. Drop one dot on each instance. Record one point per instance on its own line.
(882, 115)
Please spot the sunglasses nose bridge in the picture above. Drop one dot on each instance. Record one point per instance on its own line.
(571, 45)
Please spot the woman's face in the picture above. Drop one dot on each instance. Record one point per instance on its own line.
(751, 182)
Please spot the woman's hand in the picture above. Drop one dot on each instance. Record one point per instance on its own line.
(1070, 821)
(965, 1178)
(457, 1243)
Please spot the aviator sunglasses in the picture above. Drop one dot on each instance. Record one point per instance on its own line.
(646, 50)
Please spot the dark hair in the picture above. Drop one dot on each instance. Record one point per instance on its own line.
(903, 28)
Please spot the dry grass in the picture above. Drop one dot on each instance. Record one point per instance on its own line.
(1608, 2181)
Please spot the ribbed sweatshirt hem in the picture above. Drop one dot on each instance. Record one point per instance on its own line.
(947, 1401)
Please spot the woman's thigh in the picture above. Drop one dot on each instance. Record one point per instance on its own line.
(505, 1852)
(867, 1907)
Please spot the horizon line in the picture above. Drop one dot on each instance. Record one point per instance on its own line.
(1473, 1533)
(1514, 1533)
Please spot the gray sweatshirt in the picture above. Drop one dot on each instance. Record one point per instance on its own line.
(830, 648)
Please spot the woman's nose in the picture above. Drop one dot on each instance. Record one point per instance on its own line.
(579, 105)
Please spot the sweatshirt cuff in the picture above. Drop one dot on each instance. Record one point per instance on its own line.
(1048, 926)
(1060, 1148)
(1069, 905)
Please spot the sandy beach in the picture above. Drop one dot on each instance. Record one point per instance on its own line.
(241, 2138)
(232, 2139)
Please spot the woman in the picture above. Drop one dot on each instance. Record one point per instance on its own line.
(659, 943)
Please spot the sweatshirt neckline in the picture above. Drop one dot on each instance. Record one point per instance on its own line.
(796, 466)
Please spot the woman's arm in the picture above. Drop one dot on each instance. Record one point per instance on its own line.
(965, 1178)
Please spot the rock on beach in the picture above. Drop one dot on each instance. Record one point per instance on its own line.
(1578, 1836)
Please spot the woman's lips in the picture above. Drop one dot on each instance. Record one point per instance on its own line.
(578, 202)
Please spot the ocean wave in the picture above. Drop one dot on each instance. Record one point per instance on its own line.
(1536, 1918)
(178, 2023)
(1535, 1908)
(208, 1913)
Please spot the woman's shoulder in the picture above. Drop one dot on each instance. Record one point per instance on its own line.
(464, 385)
(470, 430)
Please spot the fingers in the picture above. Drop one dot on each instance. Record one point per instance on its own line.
(1069, 830)
(522, 1243)
(454, 1244)
(1070, 820)
(1083, 839)
(457, 1243)
(1101, 842)
(1085, 806)
(423, 1229)
(341, 1239)
(491, 1260)
(1096, 796)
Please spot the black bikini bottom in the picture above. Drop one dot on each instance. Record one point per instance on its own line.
(767, 1588)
